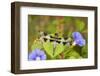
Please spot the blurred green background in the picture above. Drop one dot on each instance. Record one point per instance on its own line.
(64, 25)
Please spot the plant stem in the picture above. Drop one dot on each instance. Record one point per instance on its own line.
(62, 56)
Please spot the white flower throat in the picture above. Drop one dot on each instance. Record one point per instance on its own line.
(38, 58)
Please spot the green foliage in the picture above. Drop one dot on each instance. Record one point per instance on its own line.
(48, 48)
(50, 27)
(79, 25)
(59, 48)
(78, 49)
(75, 52)
(36, 44)
(72, 54)
(84, 52)
(65, 26)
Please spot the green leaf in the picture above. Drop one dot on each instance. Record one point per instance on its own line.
(59, 48)
(77, 49)
(69, 33)
(36, 44)
(84, 52)
(48, 46)
(73, 55)
(79, 25)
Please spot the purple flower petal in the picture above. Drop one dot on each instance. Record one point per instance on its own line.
(36, 54)
(77, 35)
(43, 57)
(32, 56)
(80, 42)
(78, 39)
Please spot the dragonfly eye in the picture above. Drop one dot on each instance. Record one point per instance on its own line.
(45, 39)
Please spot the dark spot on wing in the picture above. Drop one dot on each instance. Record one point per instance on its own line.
(45, 39)
(45, 34)
(51, 40)
(59, 38)
(64, 43)
(56, 34)
(65, 38)
(52, 37)
(58, 41)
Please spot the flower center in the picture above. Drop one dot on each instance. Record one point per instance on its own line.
(74, 43)
(37, 58)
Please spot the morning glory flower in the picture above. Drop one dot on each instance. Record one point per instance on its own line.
(37, 54)
(78, 39)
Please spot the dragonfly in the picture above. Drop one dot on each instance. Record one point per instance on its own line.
(44, 37)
